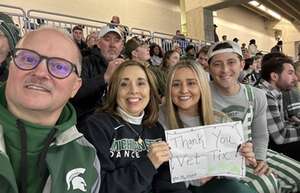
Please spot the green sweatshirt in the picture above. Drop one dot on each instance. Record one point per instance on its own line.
(65, 135)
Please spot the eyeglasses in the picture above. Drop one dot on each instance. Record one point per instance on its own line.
(26, 59)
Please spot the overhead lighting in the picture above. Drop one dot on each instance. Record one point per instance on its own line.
(274, 14)
(265, 9)
(262, 7)
(254, 3)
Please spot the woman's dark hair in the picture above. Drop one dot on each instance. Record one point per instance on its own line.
(248, 63)
(190, 47)
(152, 46)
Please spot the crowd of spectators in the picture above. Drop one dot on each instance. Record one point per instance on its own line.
(122, 92)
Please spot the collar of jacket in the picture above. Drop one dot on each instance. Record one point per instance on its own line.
(270, 89)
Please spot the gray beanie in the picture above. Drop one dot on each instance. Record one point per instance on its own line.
(8, 28)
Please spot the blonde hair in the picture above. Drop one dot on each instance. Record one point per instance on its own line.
(205, 104)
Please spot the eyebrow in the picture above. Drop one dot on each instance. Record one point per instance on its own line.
(139, 78)
(220, 60)
(232, 59)
(188, 79)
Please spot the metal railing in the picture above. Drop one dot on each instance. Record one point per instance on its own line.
(33, 18)
(167, 41)
(17, 14)
(164, 40)
(37, 17)
(140, 32)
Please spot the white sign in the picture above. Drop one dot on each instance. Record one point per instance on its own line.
(210, 150)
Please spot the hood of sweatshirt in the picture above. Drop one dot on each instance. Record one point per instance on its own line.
(27, 144)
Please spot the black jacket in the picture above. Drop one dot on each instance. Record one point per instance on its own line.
(89, 51)
(82, 45)
(276, 49)
(125, 166)
(3, 71)
(93, 86)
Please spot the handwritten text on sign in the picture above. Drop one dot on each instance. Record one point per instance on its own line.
(206, 151)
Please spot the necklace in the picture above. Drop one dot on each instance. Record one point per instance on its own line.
(139, 138)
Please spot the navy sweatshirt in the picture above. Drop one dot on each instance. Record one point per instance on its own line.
(125, 166)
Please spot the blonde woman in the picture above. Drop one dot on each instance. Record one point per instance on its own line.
(189, 104)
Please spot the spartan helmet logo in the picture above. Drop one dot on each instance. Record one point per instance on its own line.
(75, 181)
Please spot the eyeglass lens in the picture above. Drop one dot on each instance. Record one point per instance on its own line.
(28, 60)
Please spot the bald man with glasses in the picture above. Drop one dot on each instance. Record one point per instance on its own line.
(40, 147)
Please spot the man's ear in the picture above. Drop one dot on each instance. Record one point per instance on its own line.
(242, 64)
(274, 76)
(98, 43)
(134, 53)
(123, 44)
(76, 86)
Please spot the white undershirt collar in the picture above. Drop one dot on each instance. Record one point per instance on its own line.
(129, 118)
